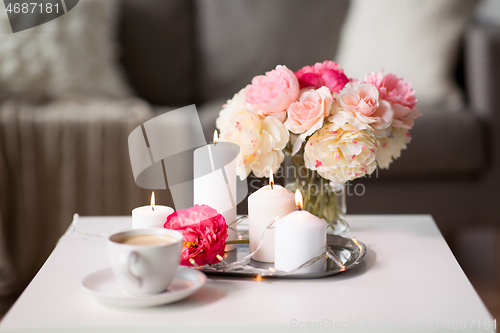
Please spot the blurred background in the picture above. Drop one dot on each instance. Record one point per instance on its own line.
(73, 89)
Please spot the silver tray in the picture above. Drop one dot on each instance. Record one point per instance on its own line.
(349, 252)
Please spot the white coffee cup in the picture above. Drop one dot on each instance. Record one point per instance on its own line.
(145, 261)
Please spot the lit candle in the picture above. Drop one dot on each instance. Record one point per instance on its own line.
(150, 216)
(215, 180)
(264, 206)
(299, 237)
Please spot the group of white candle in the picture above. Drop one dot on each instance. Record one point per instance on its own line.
(297, 235)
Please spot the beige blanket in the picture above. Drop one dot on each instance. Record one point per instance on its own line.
(57, 159)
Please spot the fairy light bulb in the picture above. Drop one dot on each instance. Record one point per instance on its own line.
(192, 262)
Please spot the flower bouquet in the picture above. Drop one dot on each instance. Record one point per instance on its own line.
(332, 128)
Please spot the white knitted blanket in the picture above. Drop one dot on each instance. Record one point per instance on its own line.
(57, 159)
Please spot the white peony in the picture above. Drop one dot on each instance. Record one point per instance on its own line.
(390, 148)
(341, 152)
(237, 103)
(261, 140)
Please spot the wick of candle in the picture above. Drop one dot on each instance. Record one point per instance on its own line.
(300, 208)
(272, 186)
(152, 207)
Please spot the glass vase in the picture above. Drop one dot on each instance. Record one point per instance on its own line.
(322, 197)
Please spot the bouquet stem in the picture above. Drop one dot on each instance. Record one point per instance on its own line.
(321, 197)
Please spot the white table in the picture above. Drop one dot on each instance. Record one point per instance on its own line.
(409, 278)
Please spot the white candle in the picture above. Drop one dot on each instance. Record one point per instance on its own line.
(152, 216)
(264, 206)
(215, 181)
(299, 237)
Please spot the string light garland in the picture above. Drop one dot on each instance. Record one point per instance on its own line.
(72, 229)
(242, 265)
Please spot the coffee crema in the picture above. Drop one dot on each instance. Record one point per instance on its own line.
(148, 239)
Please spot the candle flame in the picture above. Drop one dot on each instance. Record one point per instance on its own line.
(271, 178)
(216, 136)
(298, 199)
(153, 198)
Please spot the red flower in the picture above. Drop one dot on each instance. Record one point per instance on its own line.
(205, 233)
(326, 74)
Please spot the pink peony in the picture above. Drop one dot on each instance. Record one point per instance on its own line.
(392, 88)
(363, 108)
(272, 94)
(205, 233)
(307, 114)
(326, 74)
(404, 117)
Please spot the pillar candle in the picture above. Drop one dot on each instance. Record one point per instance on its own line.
(150, 216)
(299, 237)
(264, 206)
(215, 181)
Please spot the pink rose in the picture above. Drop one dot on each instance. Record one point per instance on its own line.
(365, 110)
(326, 74)
(362, 98)
(272, 94)
(307, 114)
(205, 233)
(392, 88)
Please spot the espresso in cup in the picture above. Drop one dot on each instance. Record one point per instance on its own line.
(145, 261)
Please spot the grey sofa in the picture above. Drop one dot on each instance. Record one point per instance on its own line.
(181, 52)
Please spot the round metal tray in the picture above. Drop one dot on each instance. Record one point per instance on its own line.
(350, 252)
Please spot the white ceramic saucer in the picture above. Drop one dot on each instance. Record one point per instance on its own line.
(103, 285)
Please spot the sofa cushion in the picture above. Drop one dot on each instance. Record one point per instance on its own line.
(444, 143)
(157, 49)
(415, 41)
(73, 54)
(237, 40)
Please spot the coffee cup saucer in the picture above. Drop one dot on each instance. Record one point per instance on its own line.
(103, 285)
